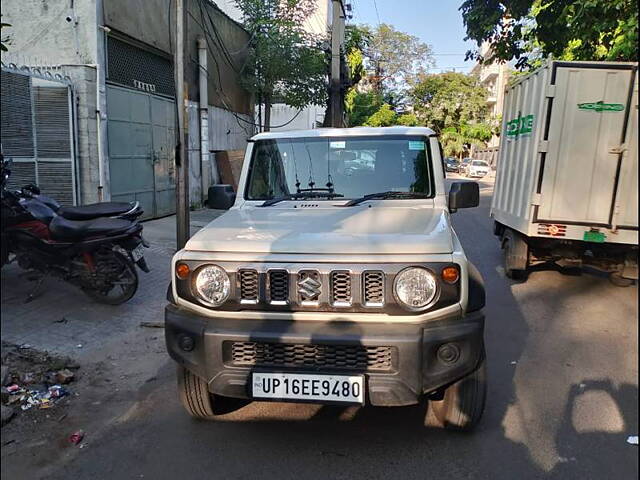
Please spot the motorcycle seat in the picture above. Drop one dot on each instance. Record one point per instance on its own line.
(64, 229)
(95, 210)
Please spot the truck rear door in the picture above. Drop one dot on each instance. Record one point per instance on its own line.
(586, 128)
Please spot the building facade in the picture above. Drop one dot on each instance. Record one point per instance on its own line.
(117, 58)
(494, 77)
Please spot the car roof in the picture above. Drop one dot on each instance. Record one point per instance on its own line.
(345, 132)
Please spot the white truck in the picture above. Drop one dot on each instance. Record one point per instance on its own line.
(566, 186)
(334, 277)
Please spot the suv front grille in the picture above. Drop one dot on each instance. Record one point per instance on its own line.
(248, 286)
(301, 356)
(278, 287)
(373, 289)
(341, 288)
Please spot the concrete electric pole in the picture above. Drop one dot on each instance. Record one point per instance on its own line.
(335, 86)
(182, 153)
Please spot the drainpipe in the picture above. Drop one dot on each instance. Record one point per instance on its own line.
(95, 66)
(206, 165)
(99, 132)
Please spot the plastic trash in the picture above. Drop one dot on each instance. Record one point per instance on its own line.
(13, 388)
(632, 439)
(76, 437)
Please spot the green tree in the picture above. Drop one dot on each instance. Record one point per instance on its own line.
(454, 105)
(408, 120)
(395, 58)
(456, 140)
(449, 99)
(574, 29)
(359, 106)
(384, 117)
(285, 62)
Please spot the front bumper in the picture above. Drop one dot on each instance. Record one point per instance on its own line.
(416, 369)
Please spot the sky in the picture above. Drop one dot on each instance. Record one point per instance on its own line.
(436, 22)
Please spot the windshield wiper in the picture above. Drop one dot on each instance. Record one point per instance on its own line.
(384, 196)
(302, 194)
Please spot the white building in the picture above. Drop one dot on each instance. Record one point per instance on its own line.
(495, 78)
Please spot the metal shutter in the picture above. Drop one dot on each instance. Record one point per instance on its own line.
(15, 115)
(52, 122)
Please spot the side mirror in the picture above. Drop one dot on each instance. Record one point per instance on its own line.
(221, 197)
(463, 195)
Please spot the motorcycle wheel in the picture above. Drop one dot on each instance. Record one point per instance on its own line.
(122, 282)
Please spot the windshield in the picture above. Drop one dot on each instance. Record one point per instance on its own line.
(479, 163)
(348, 166)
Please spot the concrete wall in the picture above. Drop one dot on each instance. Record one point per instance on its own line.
(226, 132)
(40, 30)
(289, 118)
(41, 36)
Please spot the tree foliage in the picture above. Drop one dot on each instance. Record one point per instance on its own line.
(395, 57)
(285, 62)
(359, 106)
(568, 29)
(449, 99)
(384, 117)
(454, 105)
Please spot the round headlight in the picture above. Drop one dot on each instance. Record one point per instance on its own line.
(212, 285)
(415, 287)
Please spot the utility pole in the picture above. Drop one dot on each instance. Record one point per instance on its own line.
(182, 153)
(335, 86)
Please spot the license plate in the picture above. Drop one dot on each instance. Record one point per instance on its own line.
(137, 253)
(308, 387)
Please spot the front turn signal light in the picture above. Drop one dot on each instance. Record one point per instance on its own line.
(182, 271)
(450, 275)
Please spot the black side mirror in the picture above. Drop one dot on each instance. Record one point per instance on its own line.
(463, 195)
(221, 197)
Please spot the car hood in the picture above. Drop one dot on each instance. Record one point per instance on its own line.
(363, 229)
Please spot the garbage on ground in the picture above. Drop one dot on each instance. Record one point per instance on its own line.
(64, 376)
(36, 398)
(76, 437)
(632, 439)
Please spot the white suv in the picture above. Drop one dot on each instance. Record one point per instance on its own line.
(335, 277)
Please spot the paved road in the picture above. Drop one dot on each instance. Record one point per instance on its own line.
(563, 397)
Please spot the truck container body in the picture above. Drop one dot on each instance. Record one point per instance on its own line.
(568, 160)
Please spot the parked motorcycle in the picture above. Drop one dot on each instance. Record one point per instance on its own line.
(125, 210)
(98, 255)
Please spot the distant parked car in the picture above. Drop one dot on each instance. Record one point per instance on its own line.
(451, 165)
(477, 168)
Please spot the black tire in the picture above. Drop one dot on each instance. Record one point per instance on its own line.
(127, 269)
(509, 271)
(194, 395)
(463, 403)
(620, 281)
(199, 402)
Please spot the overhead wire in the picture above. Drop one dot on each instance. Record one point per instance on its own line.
(223, 96)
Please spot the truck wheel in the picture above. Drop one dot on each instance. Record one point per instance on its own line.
(619, 281)
(194, 395)
(514, 249)
(463, 403)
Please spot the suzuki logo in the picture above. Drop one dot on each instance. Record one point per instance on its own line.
(309, 288)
